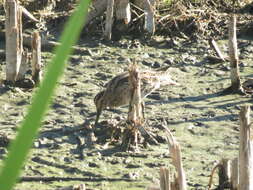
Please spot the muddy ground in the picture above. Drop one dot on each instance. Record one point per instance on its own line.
(203, 120)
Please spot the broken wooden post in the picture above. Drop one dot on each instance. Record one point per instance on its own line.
(233, 55)
(14, 40)
(135, 108)
(109, 19)
(135, 117)
(36, 58)
(164, 179)
(175, 152)
(123, 11)
(245, 151)
(234, 175)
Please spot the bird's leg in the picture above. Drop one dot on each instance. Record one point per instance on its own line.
(99, 111)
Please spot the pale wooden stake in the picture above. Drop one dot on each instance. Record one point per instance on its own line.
(14, 41)
(245, 151)
(123, 11)
(234, 175)
(109, 19)
(36, 58)
(233, 55)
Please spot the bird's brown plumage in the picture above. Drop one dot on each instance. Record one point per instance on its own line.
(117, 92)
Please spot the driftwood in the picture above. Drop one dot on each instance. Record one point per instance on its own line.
(245, 151)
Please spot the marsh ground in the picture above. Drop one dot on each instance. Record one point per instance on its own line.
(204, 121)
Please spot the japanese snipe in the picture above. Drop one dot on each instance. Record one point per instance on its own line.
(117, 92)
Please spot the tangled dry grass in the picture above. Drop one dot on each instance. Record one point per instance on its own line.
(193, 18)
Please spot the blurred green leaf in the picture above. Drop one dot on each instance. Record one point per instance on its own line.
(19, 148)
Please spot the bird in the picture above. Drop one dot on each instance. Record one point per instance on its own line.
(117, 91)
